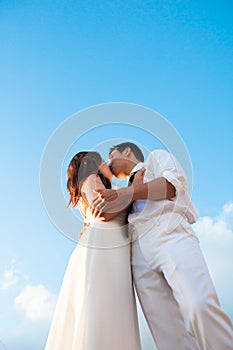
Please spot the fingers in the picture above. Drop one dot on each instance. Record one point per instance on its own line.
(100, 190)
(139, 176)
(98, 216)
(97, 200)
(101, 201)
(96, 205)
(141, 172)
(95, 213)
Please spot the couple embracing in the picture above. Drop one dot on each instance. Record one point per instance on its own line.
(140, 234)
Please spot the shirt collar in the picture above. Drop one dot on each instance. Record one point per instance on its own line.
(137, 167)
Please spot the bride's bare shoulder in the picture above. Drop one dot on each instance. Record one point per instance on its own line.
(93, 181)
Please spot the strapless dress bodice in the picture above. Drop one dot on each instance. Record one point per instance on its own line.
(105, 234)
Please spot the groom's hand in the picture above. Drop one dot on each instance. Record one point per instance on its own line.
(110, 202)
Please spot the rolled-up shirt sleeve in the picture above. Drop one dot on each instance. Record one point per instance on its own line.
(166, 165)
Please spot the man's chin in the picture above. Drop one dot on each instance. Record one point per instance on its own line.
(120, 176)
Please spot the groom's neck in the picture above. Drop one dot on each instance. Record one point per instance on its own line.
(132, 165)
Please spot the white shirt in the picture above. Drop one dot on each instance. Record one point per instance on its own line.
(160, 163)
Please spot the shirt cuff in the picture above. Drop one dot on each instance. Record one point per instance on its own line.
(174, 181)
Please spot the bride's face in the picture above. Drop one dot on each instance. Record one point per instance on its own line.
(105, 170)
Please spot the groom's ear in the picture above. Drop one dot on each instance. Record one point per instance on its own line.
(127, 151)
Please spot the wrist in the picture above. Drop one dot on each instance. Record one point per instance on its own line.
(140, 191)
(126, 193)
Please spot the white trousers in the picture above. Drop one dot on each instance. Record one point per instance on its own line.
(176, 293)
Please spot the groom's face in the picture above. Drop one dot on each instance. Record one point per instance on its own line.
(118, 163)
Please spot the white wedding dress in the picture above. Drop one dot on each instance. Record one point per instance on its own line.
(96, 308)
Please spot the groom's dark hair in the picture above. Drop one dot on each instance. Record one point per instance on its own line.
(134, 148)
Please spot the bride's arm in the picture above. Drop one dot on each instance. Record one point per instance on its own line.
(114, 201)
(92, 183)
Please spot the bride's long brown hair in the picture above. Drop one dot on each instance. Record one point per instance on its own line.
(81, 166)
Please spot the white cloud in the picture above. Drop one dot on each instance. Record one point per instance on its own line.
(215, 229)
(10, 276)
(36, 301)
(218, 229)
(8, 279)
(228, 208)
(216, 240)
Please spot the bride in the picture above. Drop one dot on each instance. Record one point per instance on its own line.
(96, 308)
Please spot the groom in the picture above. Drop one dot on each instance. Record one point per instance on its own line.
(170, 275)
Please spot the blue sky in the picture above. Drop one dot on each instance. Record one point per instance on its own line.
(59, 57)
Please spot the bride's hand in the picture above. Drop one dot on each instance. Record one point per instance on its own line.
(138, 178)
(111, 201)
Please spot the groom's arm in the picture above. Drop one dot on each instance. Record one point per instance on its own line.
(115, 201)
(155, 190)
